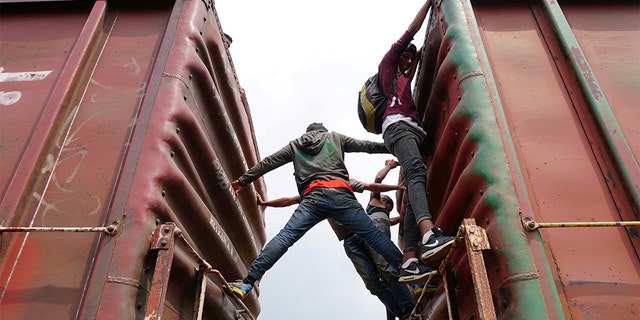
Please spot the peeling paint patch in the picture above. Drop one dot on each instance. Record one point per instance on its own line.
(587, 74)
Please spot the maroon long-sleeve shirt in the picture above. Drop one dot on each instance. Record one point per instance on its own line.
(387, 69)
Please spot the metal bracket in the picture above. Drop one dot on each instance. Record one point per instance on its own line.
(164, 242)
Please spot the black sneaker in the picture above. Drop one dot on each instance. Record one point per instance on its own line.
(436, 245)
(415, 272)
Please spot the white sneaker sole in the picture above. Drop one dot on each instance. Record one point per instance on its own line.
(418, 278)
(437, 253)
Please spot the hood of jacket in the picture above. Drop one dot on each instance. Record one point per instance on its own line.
(311, 142)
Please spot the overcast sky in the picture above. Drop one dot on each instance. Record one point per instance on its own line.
(301, 62)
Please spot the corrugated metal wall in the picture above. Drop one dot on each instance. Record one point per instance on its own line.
(533, 113)
(120, 111)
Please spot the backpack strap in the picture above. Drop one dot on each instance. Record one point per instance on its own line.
(393, 88)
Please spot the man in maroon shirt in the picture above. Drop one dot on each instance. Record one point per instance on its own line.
(403, 136)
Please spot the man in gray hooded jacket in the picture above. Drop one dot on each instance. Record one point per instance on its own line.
(323, 183)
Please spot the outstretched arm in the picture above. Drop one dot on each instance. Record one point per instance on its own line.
(279, 202)
(388, 165)
(416, 24)
(380, 187)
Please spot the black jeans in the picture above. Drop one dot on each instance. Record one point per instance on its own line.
(404, 142)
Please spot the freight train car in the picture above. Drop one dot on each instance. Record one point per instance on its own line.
(122, 123)
(533, 110)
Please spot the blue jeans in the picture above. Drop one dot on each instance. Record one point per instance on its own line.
(403, 141)
(317, 205)
(378, 276)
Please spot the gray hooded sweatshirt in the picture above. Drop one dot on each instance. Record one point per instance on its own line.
(316, 155)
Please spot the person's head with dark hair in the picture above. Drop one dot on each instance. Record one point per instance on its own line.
(388, 203)
(316, 126)
(411, 48)
(408, 56)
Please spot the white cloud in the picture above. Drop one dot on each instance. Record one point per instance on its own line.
(302, 62)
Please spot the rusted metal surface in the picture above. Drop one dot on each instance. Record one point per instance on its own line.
(533, 225)
(116, 110)
(163, 242)
(523, 127)
(475, 239)
(111, 229)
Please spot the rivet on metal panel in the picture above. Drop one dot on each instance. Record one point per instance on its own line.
(164, 236)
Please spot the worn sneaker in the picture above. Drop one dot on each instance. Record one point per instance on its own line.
(240, 289)
(436, 245)
(415, 272)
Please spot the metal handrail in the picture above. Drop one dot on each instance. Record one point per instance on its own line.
(531, 225)
(111, 229)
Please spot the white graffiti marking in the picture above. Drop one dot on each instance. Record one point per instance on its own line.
(9, 98)
(22, 76)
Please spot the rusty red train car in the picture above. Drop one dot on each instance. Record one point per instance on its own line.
(534, 113)
(121, 126)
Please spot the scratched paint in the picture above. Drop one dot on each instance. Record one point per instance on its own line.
(129, 134)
